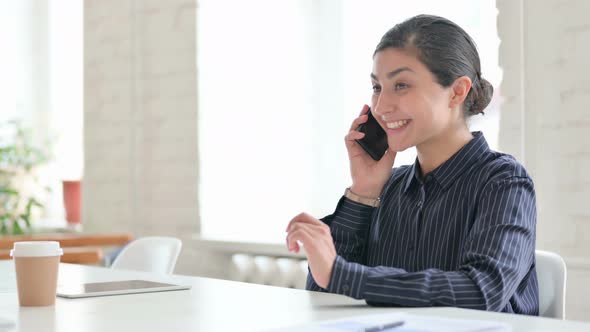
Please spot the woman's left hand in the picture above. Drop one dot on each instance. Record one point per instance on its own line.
(319, 245)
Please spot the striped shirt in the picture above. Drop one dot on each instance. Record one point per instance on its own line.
(463, 236)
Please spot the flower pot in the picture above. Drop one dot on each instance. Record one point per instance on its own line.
(72, 200)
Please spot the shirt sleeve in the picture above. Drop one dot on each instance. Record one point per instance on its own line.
(349, 227)
(498, 255)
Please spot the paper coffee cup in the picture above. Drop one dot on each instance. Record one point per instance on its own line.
(36, 264)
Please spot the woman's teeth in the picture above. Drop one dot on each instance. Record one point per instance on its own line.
(397, 124)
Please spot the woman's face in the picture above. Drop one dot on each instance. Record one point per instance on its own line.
(407, 101)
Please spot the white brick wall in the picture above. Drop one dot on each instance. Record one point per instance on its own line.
(544, 54)
(141, 121)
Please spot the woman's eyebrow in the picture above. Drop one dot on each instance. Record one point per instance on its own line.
(392, 73)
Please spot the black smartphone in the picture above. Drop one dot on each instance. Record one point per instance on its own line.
(375, 140)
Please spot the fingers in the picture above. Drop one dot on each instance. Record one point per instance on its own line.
(304, 218)
(358, 121)
(353, 135)
(362, 118)
(304, 232)
(365, 109)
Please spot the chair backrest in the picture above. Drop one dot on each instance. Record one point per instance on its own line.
(151, 254)
(551, 274)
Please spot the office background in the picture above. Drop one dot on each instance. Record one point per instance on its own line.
(141, 122)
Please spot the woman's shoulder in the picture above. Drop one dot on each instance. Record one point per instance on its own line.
(502, 166)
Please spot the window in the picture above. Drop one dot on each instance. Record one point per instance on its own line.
(10, 81)
(66, 54)
(42, 83)
(279, 84)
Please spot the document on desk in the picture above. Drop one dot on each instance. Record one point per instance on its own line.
(401, 322)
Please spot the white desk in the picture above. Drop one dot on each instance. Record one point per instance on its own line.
(211, 305)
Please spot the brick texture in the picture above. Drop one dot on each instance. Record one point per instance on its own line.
(140, 119)
(544, 52)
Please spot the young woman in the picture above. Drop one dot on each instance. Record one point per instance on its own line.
(456, 228)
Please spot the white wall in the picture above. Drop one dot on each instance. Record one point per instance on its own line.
(140, 116)
(545, 47)
(141, 119)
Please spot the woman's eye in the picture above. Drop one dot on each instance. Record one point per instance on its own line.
(376, 88)
(401, 86)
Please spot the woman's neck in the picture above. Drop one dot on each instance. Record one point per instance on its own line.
(439, 149)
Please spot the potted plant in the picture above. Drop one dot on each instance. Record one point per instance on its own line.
(20, 189)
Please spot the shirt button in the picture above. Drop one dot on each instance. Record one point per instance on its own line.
(345, 288)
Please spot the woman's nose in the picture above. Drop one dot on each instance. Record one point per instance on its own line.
(383, 107)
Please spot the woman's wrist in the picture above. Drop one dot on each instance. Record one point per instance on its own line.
(365, 192)
(366, 200)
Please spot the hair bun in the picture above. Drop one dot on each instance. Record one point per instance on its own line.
(484, 94)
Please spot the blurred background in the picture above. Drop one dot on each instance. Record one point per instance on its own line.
(216, 121)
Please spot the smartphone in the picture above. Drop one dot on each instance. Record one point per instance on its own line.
(375, 140)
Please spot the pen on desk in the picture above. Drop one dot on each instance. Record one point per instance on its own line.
(383, 327)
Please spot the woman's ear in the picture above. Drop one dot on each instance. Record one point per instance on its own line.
(459, 90)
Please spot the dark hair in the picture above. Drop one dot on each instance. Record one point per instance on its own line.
(446, 50)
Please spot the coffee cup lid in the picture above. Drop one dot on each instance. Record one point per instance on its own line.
(36, 249)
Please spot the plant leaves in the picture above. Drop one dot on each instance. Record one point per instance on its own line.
(16, 229)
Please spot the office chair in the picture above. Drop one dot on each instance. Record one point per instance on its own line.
(150, 254)
(551, 274)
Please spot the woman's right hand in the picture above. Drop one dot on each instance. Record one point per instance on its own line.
(368, 175)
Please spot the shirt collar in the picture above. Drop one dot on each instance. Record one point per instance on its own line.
(459, 163)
